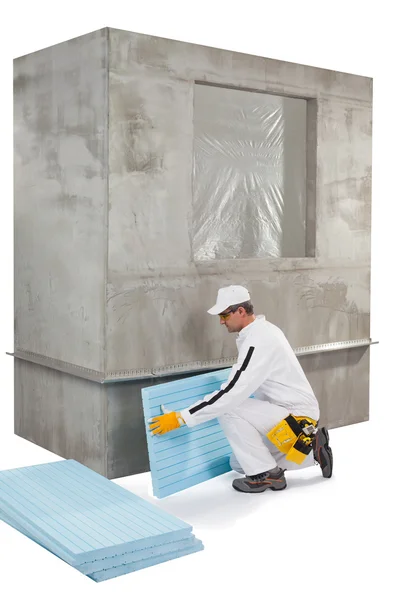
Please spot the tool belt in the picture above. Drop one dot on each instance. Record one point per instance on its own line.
(294, 436)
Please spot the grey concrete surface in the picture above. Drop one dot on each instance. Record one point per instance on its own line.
(324, 306)
(341, 382)
(105, 270)
(60, 200)
(62, 413)
(155, 286)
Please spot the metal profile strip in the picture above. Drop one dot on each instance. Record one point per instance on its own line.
(59, 365)
(302, 351)
(135, 374)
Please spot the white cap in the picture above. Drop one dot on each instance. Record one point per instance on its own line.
(228, 296)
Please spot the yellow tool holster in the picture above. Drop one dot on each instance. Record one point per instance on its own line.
(293, 436)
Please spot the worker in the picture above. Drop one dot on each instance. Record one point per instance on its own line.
(267, 408)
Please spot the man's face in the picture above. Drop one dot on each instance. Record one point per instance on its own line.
(233, 321)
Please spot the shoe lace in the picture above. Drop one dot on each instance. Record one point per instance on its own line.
(259, 476)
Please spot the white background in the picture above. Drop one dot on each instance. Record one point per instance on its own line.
(335, 538)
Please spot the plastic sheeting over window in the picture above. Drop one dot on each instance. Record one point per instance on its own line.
(249, 177)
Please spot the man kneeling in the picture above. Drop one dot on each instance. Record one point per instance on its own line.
(267, 408)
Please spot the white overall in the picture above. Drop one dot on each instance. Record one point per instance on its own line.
(267, 369)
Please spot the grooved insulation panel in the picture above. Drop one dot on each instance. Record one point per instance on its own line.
(186, 456)
(89, 522)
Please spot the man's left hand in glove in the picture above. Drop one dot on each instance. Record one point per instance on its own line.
(168, 421)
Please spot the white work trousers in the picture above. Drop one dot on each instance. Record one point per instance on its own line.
(246, 428)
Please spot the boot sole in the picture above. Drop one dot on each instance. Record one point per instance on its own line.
(325, 453)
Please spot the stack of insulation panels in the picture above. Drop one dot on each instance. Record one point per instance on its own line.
(93, 524)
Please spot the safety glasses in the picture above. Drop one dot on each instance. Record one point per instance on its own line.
(224, 316)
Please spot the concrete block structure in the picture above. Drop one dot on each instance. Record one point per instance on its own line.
(150, 172)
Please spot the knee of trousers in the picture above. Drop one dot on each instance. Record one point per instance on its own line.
(227, 417)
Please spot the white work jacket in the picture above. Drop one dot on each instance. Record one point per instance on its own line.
(268, 369)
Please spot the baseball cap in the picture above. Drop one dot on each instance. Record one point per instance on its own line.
(228, 296)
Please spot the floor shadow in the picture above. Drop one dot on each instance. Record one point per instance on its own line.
(215, 504)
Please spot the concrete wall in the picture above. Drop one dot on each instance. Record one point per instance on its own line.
(61, 173)
(105, 275)
(154, 285)
(62, 413)
(103, 248)
(102, 426)
(340, 381)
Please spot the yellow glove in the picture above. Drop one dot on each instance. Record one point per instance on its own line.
(165, 422)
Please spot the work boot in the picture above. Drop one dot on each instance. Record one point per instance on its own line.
(323, 452)
(254, 484)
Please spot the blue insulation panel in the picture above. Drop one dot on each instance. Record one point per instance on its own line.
(121, 564)
(150, 554)
(186, 456)
(137, 566)
(90, 522)
(189, 544)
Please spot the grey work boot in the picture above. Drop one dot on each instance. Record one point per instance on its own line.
(323, 452)
(254, 484)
